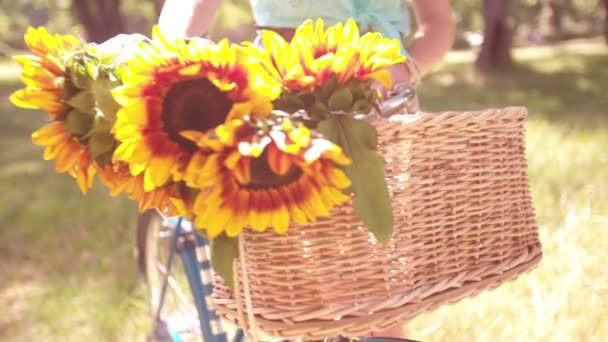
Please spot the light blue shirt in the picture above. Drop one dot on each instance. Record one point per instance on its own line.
(388, 17)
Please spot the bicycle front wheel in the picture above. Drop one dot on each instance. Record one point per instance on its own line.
(169, 297)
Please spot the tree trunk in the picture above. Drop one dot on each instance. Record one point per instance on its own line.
(101, 19)
(158, 7)
(605, 18)
(495, 51)
(557, 15)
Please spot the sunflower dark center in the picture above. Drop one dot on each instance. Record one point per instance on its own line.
(262, 176)
(193, 105)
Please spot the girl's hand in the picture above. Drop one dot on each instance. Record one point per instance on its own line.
(400, 74)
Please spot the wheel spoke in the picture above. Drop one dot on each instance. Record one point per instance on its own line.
(178, 291)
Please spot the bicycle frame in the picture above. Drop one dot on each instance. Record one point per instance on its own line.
(185, 242)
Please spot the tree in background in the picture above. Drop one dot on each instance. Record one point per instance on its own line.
(495, 51)
(105, 19)
(158, 6)
(605, 19)
(101, 19)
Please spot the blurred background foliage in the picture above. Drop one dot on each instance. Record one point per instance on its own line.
(532, 20)
(503, 23)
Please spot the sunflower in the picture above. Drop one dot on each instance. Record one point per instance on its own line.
(172, 86)
(43, 73)
(170, 200)
(46, 81)
(315, 53)
(263, 175)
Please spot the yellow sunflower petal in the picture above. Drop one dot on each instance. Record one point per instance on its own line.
(259, 216)
(295, 212)
(280, 163)
(206, 176)
(66, 158)
(240, 110)
(218, 223)
(339, 179)
(242, 171)
(278, 49)
(280, 216)
(158, 173)
(194, 165)
(383, 77)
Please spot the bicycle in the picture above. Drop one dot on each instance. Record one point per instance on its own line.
(178, 294)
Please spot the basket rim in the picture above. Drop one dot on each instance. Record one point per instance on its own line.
(452, 116)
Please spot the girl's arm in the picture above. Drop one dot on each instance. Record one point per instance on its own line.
(187, 18)
(435, 34)
(432, 41)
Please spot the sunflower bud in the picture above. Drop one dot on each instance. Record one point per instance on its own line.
(341, 99)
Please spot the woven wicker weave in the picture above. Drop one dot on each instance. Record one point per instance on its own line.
(464, 224)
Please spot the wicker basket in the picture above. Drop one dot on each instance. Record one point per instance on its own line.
(464, 224)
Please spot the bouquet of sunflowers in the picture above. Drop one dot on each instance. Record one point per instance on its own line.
(229, 136)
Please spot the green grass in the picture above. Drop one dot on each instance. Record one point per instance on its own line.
(68, 260)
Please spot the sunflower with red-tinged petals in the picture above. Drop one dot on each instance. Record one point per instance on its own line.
(45, 77)
(263, 174)
(172, 86)
(315, 53)
(170, 200)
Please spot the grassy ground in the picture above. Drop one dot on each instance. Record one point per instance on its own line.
(69, 272)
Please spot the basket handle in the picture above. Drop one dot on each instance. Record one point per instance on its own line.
(401, 97)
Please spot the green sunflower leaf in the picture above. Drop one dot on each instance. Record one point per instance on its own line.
(318, 111)
(328, 88)
(83, 101)
(78, 123)
(289, 103)
(103, 96)
(371, 199)
(224, 251)
(101, 143)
